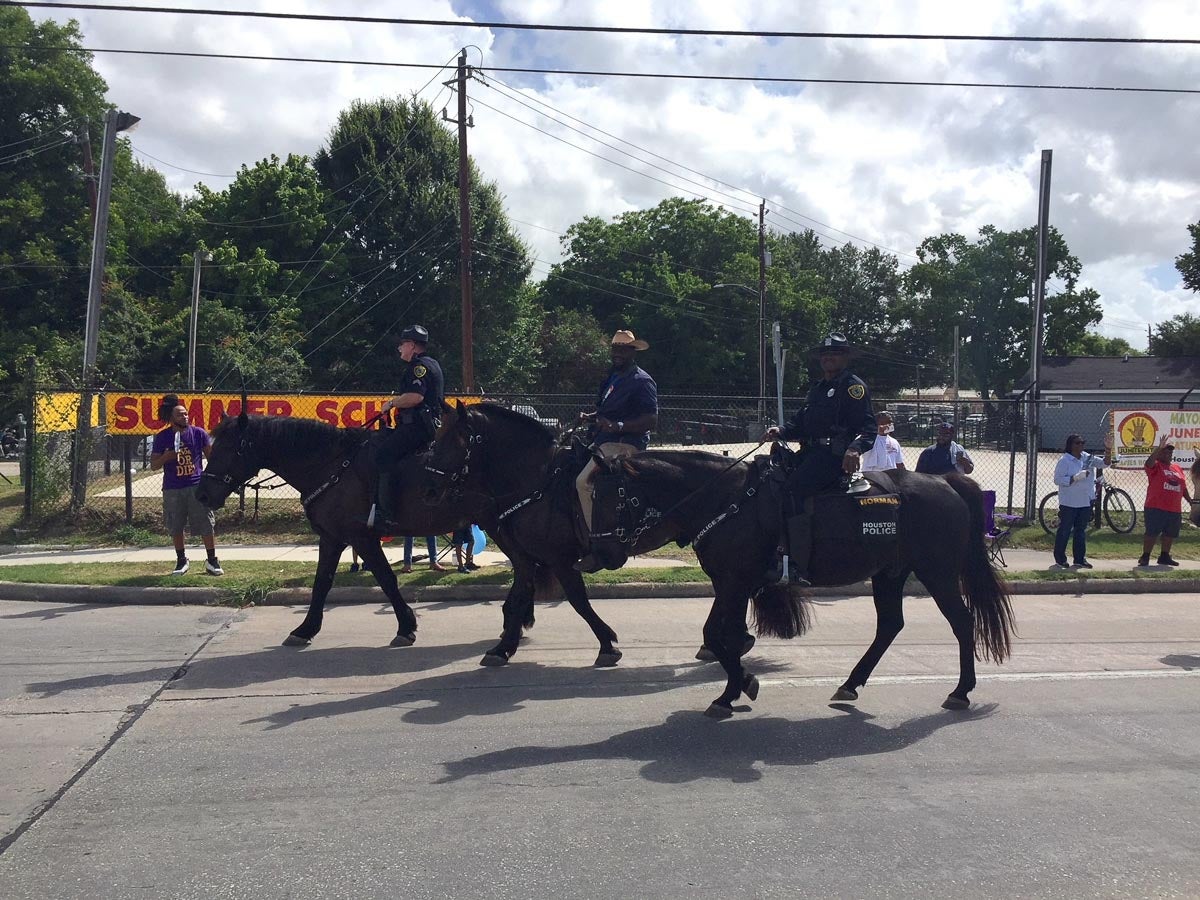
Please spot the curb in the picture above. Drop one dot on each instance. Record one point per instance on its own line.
(496, 593)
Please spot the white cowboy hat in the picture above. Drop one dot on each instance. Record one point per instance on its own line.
(626, 339)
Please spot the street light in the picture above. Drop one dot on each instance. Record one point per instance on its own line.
(762, 341)
(198, 259)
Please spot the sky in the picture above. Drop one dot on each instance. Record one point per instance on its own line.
(870, 164)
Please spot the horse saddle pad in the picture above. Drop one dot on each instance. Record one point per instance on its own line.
(871, 518)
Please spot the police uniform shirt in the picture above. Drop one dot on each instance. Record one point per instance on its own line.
(839, 409)
(423, 376)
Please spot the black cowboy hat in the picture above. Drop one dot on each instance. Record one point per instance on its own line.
(834, 343)
(415, 333)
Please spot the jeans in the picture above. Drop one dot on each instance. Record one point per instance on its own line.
(430, 542)
(1072, 520)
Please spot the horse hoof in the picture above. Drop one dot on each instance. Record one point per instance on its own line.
(706, 655)
(953, 702)
(403, 640)
(604, 660)
(841, 695)
(750, 687)
(717, 711)
(294, 640)
(493, 660)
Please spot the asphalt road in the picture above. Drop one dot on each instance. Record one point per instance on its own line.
(153, 752)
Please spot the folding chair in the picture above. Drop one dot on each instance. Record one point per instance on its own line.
(993, 538)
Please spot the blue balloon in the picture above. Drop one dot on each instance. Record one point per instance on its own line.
(480, 539)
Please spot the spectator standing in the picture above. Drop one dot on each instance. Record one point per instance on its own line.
(431, 544)
(464, 549)
(180, 450)
(1196, 489)
(945, 455)
(1166, 489)
(1075, 475)
(885, 453)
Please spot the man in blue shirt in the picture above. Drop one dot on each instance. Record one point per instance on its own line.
(945, 455)
(626, 413)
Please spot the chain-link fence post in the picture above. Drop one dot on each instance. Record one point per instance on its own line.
(30, 457)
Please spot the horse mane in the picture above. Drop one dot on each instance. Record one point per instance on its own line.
(494, 411)
(306, 435)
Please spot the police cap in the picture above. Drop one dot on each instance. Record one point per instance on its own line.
(415, 333)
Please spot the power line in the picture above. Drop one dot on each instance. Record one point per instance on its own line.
(34, 151)
(603, 29)
(50, 132)
(685, 76)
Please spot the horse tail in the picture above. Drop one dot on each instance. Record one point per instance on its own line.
(781, 610)
(546, 588)
(985, 589)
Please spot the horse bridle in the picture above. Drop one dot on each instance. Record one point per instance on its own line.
(227, 479)
(459, 478)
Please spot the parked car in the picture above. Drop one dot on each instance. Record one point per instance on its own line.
(526, 410)
(713, 429)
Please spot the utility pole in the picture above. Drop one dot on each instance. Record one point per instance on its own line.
(956, 376)
(89, 171)
(198, 259)
(762, 312)
(464, 226)
(1032, 443)
(114, 121)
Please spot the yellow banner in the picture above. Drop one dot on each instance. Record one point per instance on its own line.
(60, 412)
(137, 413)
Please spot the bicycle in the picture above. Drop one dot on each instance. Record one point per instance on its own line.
(1116, 504)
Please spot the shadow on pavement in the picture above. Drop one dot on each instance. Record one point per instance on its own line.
(53, 612)
(690, 747)
(492, 692)
(1181, 661)
(279, 663)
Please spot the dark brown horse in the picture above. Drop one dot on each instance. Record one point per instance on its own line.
(524, 484)
(731, 513)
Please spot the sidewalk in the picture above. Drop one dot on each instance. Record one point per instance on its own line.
(1018, 560)
(292, 553)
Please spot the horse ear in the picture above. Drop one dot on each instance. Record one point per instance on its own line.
(460, 407)
(224, 417)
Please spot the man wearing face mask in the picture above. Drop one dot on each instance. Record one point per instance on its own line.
(836, 426)
(626, 413)
(419, 406)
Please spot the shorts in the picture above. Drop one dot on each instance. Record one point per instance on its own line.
(1162, 522)
(463, 536)
(181, 509)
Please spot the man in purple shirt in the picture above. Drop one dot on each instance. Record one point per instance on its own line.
(180, 450)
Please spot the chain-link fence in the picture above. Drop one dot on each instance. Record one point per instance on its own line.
(120, 485)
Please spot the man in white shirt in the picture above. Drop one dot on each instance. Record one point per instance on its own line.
(1075, 476)
(885, 454)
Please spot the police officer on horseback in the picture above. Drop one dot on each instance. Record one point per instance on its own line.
(835, 426)
(418, 403)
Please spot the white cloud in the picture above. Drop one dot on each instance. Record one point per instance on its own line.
(890, 164)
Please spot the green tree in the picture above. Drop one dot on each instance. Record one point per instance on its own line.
(1093, 344)
(1188, 263)
(396, 167)
(986, 288)
(1178, 336)
(45, 226)
(654, 272)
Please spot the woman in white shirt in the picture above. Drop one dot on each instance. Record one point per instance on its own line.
(885, 454)
(1075, 476)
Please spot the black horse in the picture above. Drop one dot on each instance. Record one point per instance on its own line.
(731, 514)
(331, 468)
(525, 485)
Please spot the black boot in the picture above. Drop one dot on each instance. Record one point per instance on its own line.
(799, 528)
(381, 510)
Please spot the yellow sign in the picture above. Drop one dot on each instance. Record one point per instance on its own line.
(137, 413)
(60, 412)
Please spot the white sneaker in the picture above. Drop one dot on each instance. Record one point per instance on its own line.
(182, 568)
(213, 566)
